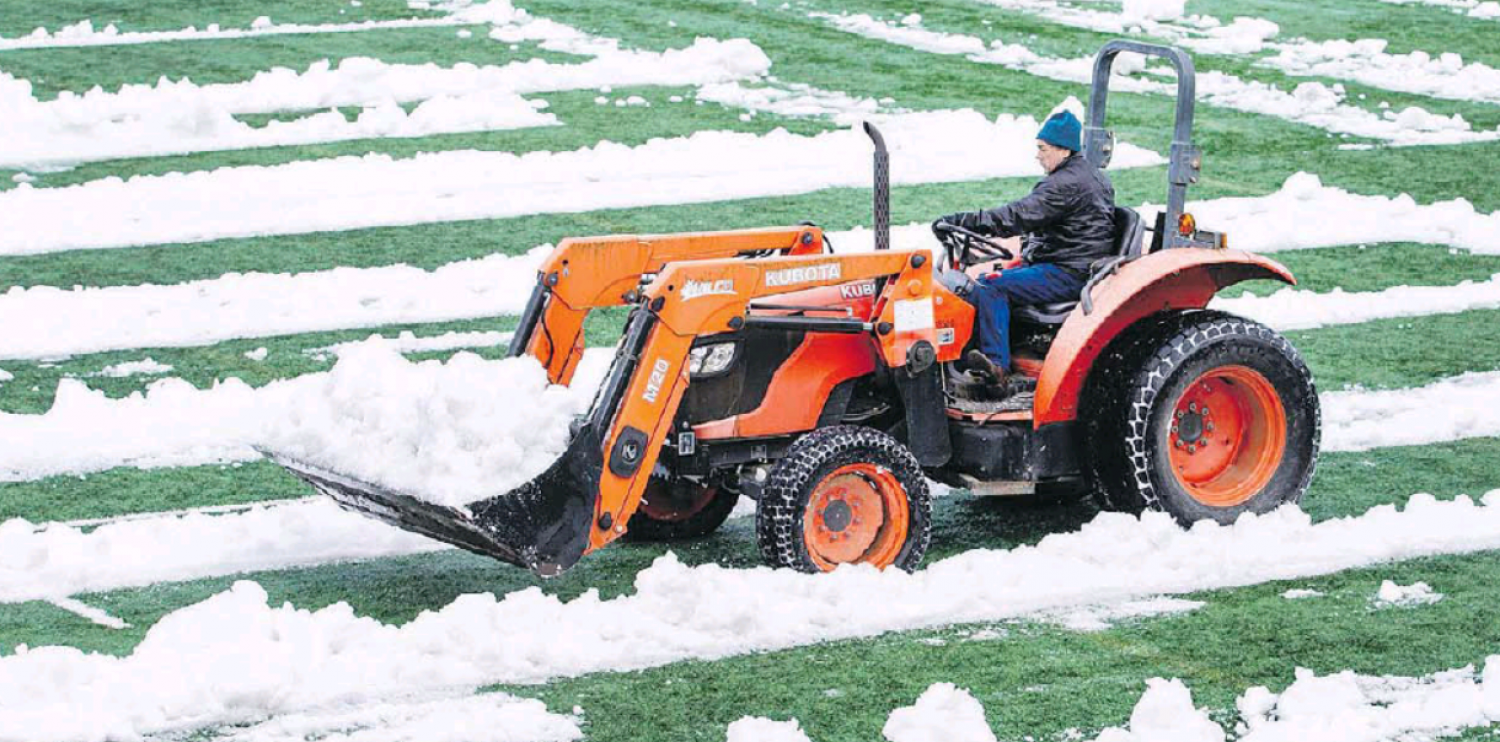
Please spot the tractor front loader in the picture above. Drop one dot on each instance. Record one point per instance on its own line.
(756, 364)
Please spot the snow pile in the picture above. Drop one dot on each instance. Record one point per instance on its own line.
(6, 375)
(145, 367)
(1305, 213)
(488, 717)
(1353, 707)
(181, 117)
(1451, 409)
(59, 560)
(760, 729)
(378, 190)
(1165, 713)
(450, 433)
(944, 713)
(1393, 595)
(1293, 309)
(497, 419)
(1311, 103)
(1155, 10)
(1365, 60)
(247, 658)
(51, 322)
(1243, 36)
(176, 424)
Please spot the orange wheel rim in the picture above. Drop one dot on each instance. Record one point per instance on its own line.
(661, 507)
(1227, 436)
(856, 514)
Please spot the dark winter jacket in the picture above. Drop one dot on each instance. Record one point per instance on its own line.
(1068, 218)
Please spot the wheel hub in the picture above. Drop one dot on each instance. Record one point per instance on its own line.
(1190, 427)
(837, 516)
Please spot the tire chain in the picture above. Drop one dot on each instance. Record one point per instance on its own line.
(1203, 331)
(777, 526)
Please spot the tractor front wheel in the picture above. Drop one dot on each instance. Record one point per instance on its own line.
(845, 495)
(677, 509)
(1220, 418)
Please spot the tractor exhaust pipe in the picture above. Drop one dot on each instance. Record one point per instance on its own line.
(882, 189)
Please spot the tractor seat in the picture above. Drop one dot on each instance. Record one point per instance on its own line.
(1129, 232)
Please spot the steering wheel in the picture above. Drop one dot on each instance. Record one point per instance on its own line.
(964, 247)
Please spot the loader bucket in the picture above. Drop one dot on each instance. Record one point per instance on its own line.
(543, 525)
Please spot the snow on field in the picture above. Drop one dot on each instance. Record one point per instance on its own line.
(1311, 103)
(1392, 595)
(368, 416)
(760, 729)
(181, 117)
(1366, 61)
(1292, 309)
(60, 560)
(46, 322)
(943, 713)
(247, 658)
(1450, 409)
(1105, 616)
(378, 190)
(1472, 8)
(1165, 713)
(60, 323)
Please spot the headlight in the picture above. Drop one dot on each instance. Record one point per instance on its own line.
(707, 360)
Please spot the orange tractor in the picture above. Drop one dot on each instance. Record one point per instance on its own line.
(760, 364)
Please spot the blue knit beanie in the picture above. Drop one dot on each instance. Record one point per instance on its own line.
(1063, 130)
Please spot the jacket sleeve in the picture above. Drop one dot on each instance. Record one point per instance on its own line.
(1047, 203)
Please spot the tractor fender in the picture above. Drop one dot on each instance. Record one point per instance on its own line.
(1181, 278)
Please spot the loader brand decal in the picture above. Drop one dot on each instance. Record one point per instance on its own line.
(946, 335)
(857, 290)
(658, 377)
(789, 276)
(695, 289)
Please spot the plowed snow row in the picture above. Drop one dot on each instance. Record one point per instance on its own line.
(235, 657)
(377, 190)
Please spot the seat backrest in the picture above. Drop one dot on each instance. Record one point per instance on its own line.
(1129, 231)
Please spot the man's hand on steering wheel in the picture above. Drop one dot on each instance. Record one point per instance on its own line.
(965, 247)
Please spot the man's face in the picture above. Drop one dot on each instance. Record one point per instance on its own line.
(1049, 156)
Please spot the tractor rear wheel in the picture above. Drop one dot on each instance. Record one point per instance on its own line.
(845, 495)
(1218, 418)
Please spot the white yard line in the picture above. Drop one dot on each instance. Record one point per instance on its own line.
(377, 190)
(46, 322)
(1311, 103)
(268, 659)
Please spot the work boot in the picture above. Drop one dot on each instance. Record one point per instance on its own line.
(980, 365)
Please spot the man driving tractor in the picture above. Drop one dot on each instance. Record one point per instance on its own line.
(1068, 223)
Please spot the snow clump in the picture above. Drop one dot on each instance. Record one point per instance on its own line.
(760, 729)
(1393, 595)
(944, 713)
(1166, 713)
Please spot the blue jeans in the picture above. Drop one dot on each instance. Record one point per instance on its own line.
(1043, 283)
